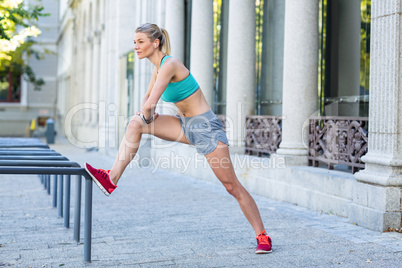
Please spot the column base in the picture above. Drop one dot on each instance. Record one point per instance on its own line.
(237, 149)
(376, 207)
(293, 157)
(379, 174)
(237, 146)
(291, 160)
(374, 219)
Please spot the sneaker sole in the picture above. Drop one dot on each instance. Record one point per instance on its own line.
(263, 252)
(97, 182)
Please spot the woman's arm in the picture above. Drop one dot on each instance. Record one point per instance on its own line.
(150, 86)
(162, 80)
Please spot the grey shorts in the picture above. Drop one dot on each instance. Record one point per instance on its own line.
(204, 131)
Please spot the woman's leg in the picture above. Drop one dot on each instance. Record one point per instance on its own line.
(221, 165)
(166, 127)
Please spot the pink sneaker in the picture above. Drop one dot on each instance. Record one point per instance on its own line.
(101, 178)
(264, 244)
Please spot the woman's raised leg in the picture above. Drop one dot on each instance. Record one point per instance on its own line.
(166, 127)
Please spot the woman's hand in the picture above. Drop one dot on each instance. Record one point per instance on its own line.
(145, 120)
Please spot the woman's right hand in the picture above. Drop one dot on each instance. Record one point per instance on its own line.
(141, 113)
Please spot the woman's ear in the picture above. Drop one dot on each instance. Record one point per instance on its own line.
(156, 43)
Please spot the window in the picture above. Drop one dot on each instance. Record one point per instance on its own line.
(10, 86)
(270, 34)
(344, 57)
(270, 20)
(221, 21)
(130, 82)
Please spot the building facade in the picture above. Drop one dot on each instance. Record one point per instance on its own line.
(24, 103)
(273, 64)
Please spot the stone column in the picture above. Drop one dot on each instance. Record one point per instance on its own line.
(102, 78)
(95, 76)
(87, 83)
(161, 13)
(175, 26)
(107, 126)
(377, 196)
(240, 70)
(202, 56)
(300, 74)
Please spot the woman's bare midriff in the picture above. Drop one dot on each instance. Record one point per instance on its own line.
(195, 104)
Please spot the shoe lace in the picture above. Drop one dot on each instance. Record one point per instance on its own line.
(104, 173)
(263, 238)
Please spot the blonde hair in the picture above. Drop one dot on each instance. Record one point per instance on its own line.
(154, 32)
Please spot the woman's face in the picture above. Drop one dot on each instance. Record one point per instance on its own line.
(143, 45)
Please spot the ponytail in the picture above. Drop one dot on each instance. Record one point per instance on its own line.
(166, 42)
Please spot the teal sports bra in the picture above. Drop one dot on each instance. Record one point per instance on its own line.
(178, 91)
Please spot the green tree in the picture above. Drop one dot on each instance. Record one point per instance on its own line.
(17, 33)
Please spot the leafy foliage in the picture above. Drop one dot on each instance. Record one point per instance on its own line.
(17, 32)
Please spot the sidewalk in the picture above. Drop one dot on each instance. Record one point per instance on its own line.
(165, 219)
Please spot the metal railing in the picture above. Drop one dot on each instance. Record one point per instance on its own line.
(263, 134)
(338, 141)
(31, 156)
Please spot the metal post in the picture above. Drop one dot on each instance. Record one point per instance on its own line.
(67, 201)
(44, 181)
(60, 196)
(88, 219)
(54, 191)
(48, 184)
(50, 131)
(77, 209)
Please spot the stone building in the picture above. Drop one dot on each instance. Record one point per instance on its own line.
(301, 83)
(19, 101)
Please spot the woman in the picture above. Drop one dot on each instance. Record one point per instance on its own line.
(197, 125)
